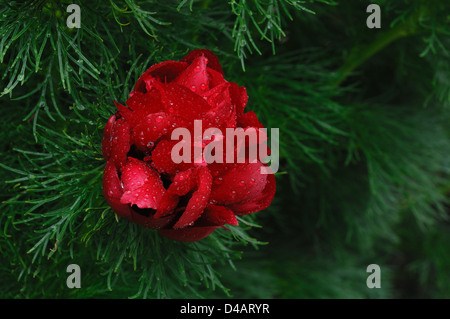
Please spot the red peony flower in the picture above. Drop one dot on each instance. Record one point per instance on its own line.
(183, 201)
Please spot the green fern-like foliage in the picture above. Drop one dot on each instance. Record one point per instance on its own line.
(364, 148)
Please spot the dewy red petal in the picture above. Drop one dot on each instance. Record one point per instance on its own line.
(221, 114)
(119, 143)
(165, 72)
(195, 77)
(239, 97)
(239, 184)
(183, 201)
(141, 184)
(182, 184)
(181, 101)
(213, 62)
(218, 96)
(219, 215)
(198, 200)
(149, 129)
(215, 78)
(140, 105)
(162, 159)
(150, 221)
(107, 138)
(249, 119)
(112, 191)
(188, 234)
(260, 202)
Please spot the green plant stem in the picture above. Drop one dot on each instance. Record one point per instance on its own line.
(361, 53)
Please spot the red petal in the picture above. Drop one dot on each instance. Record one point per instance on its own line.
(146, 103)
(199, 199)
(147, 131)
(107, 138)
(142, 185)
(188, 234)
(162, 158)
(112, 191)
(151, 221)
(154, 127)
(248, 150)
(215, 78)
(239, 97)
(249, 119)
(167, 204)
(124, 111)
(140, 105)
(222, 114)
(218, 96)
(120, 142)
(218, 216)
(213, 61)
(195, 77)
(260, 202)
(165, 71)
(182, 183)
(181, 101)
(238, 184)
